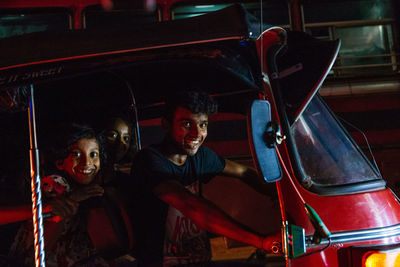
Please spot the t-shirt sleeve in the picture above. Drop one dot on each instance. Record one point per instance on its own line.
(211, 164)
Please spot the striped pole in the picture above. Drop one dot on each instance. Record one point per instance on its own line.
(35, 186)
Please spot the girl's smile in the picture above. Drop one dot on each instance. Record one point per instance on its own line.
(83, 161)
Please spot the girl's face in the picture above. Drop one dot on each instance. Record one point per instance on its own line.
(83, 161)
(117, 139)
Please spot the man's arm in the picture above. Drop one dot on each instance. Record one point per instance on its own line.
(208, 216)
(249, 176)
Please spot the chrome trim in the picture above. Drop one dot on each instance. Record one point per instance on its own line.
(361, 235)
(351, 23)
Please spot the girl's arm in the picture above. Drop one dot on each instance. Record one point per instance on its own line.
(59, 207)
(15, 214)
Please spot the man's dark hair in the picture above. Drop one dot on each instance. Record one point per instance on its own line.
(195, 101)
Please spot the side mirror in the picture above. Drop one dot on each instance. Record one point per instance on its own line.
(262, 146)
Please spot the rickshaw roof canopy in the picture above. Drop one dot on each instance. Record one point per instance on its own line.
(34, 48)
(43, 51)
(214, 52)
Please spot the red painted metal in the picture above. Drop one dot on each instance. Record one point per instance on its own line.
(356, 211)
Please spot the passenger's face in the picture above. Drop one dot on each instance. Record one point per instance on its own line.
(117, 139)
(188, 130)
(83, 161)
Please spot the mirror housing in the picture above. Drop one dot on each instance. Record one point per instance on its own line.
(262, 146)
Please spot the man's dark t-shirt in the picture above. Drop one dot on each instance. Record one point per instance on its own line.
(163, 234)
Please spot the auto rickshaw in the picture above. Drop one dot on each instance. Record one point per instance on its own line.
(332, 205)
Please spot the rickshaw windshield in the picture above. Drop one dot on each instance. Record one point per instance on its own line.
(327, 154)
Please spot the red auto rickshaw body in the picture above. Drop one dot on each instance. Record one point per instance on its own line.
(360, 215)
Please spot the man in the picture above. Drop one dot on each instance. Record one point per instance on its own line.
(173, 216)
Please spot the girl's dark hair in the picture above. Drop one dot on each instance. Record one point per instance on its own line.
(58, 145)
(195, 101)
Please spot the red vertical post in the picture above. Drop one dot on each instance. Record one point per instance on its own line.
(77, 17)
(296, 15)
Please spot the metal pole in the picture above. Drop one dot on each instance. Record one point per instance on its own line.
(35, 186)
(135, 111)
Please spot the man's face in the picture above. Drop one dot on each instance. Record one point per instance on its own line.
(188, 130)
(83, 161)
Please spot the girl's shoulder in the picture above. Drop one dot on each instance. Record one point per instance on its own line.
(55, 185)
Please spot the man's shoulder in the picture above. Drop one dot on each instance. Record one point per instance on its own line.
(208, 160)
(149, 152)
(149, 157)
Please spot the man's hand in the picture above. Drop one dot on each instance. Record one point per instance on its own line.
(84, 192)
(272, 244)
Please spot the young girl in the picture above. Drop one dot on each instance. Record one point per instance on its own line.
(76, 156)
(118, 148)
